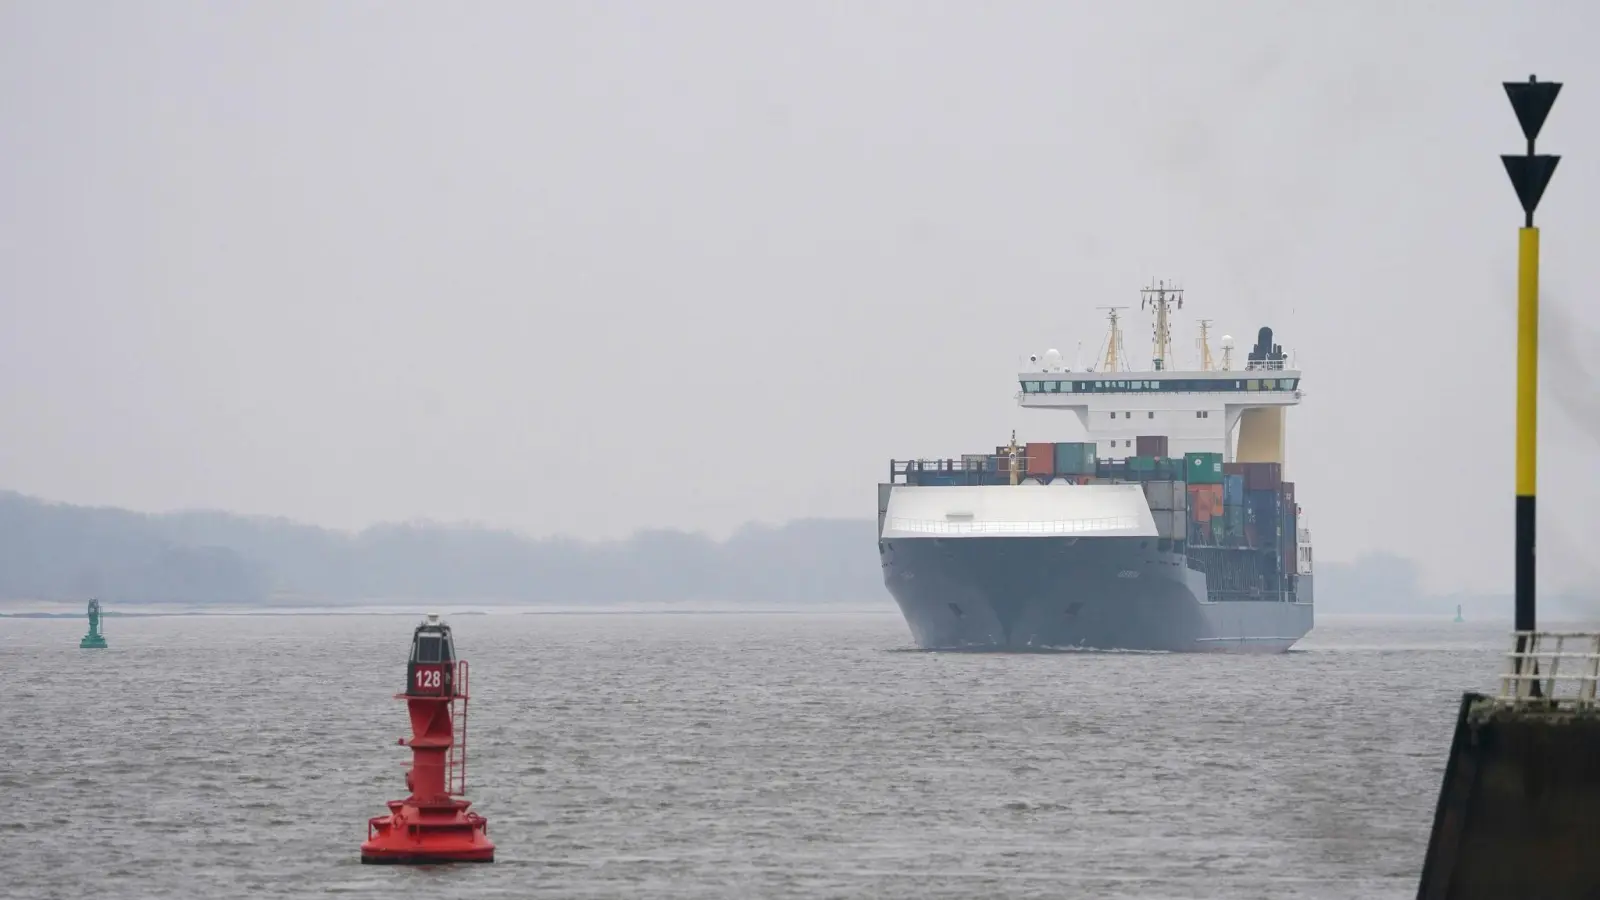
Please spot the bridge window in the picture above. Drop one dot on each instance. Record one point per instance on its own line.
(1031, 387)
(1050, 386)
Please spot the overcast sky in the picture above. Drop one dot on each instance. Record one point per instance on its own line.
(588, 267)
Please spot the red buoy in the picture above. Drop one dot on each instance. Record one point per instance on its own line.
(432, 825)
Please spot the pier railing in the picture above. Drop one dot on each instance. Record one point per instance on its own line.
(1552, 668)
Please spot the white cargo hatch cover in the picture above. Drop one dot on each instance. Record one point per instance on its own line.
(1022, 510)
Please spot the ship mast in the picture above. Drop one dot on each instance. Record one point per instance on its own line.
(1205, 345)
(1162, 299)
(1011, 454)
(1114, 351)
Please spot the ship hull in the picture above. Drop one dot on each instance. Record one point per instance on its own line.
(1043, 593)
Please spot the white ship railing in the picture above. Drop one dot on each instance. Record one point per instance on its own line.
(1552, 668)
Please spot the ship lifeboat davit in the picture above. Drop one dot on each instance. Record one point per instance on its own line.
(433, 825)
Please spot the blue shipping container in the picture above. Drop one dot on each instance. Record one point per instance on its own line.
(1233, 490)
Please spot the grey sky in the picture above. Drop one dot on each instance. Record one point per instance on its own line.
(588, 267)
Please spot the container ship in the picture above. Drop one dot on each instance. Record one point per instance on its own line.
(1168, 527)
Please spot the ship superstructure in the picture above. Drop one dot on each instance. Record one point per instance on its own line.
(1169, 525)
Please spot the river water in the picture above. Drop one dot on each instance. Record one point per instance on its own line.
(732, 755)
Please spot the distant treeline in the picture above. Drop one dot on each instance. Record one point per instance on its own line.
(56, 552)
(51, 551)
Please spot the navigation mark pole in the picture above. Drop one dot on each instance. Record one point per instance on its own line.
(1530, 175)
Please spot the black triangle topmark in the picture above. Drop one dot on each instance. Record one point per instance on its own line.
(1530, 175)
(1531, 100)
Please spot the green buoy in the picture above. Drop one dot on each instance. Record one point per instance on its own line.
(94, 640)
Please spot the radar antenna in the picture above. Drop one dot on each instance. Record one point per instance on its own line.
(1112, 360)
(1205, 345)
(1163, 300)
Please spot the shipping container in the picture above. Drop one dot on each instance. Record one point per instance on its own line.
(1199, 503)
(1288, 493)
(1263, 476)
(1233, 468)
(1265, 504)
(974, 461)
(936, 479)
(1141, 463)
(1219, 528)
(1180, 496)
(1151, 445)
(1159, 495)
(1234, 517)
(1074, 459)
(1041, 458)
(1170, 525)
(1233, 490)
(1202, 468)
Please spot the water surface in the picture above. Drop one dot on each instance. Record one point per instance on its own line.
(742, 756)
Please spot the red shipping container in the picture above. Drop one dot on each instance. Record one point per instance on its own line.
(1151, 445)
(1233, 468)
(1041, 458)
(1263, 476)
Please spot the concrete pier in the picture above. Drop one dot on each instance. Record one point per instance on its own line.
(1519, 809)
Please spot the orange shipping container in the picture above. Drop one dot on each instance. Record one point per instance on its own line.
(1199, 503)
(1041, 458)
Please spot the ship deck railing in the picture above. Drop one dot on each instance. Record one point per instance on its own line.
(1552, 669)
(900, 470)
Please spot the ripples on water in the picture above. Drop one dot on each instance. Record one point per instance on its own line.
(729, 756)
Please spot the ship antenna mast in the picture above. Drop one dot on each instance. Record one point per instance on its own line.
(1011, 453)
(1163, 300)
(1205, 345)
(1114, 351)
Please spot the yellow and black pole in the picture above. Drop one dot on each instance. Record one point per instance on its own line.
(1519, 804)
(1530, 174)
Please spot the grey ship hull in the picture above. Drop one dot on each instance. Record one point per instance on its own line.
(1104, 593)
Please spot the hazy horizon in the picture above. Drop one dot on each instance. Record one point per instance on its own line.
(597, 269)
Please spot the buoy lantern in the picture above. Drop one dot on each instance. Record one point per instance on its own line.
(433, 824)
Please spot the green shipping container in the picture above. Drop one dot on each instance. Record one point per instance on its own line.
(1141, 463)
(1235, 517)
(1075, 459)
(1203, 468)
